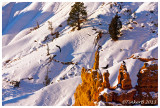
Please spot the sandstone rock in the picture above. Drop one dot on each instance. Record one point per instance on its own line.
(124, 80)
(148, 82)
(148, 78)
(96, 63)
(106, 83)
(89, 92)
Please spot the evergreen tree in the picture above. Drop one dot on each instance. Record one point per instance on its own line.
(77, 15)
(114, 27)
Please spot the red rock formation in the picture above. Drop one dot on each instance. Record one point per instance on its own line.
(123, 78)
(148, 84)
(126, 82)
(96, 63)
(96, 88)
(119, 97)
(147, 59)
(88, 91)
(121, 73)
(148, 78)
(106, 83)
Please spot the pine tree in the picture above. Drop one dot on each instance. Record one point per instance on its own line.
(114, 27)
(77, 15)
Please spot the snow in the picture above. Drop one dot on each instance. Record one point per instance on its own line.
(57, 92)
(145, 94)
(27, 53)
(154, 95)
(106, 90)
(101, 103)
(131, 90)
(149, 5)
(143, 70)
(118, 90)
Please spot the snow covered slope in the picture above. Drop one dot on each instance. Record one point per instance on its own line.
(25, 52)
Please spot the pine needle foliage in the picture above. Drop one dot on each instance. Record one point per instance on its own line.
(77, 15)
(114, 27)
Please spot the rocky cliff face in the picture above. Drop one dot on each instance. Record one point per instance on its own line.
(95, 88)
(148, 84)
(148, 78)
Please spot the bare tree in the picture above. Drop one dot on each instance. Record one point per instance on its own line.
(50, 27)
(48, 50)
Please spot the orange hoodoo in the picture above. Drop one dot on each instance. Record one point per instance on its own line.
(106, 83)
(96, 63)
(124, 80)
(87, 92)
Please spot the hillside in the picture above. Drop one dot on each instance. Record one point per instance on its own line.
(24, 48)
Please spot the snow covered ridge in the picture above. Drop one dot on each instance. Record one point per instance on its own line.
(25, 53)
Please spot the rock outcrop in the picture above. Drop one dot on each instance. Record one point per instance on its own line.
(123, 90)
(87, 92)
(106, 83)
(118, 96)
(96, 63)
(148, 78)
(148, 84)
(124, 81)
(96, 88)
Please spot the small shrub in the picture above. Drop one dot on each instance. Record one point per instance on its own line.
(151, 11)
(30, 78)
(99, 16)
(156, 24)
(7, 61)
(111, 5)
(47, 79)
(48, 50)
(142, 49)
(130, 27)
(57, 34)
(121, 50)
(60, 25)
(37, 24)
(153, 31)
(50, 27)
(73, 29)
(134, 22)
(15, 83)
(94, 29)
